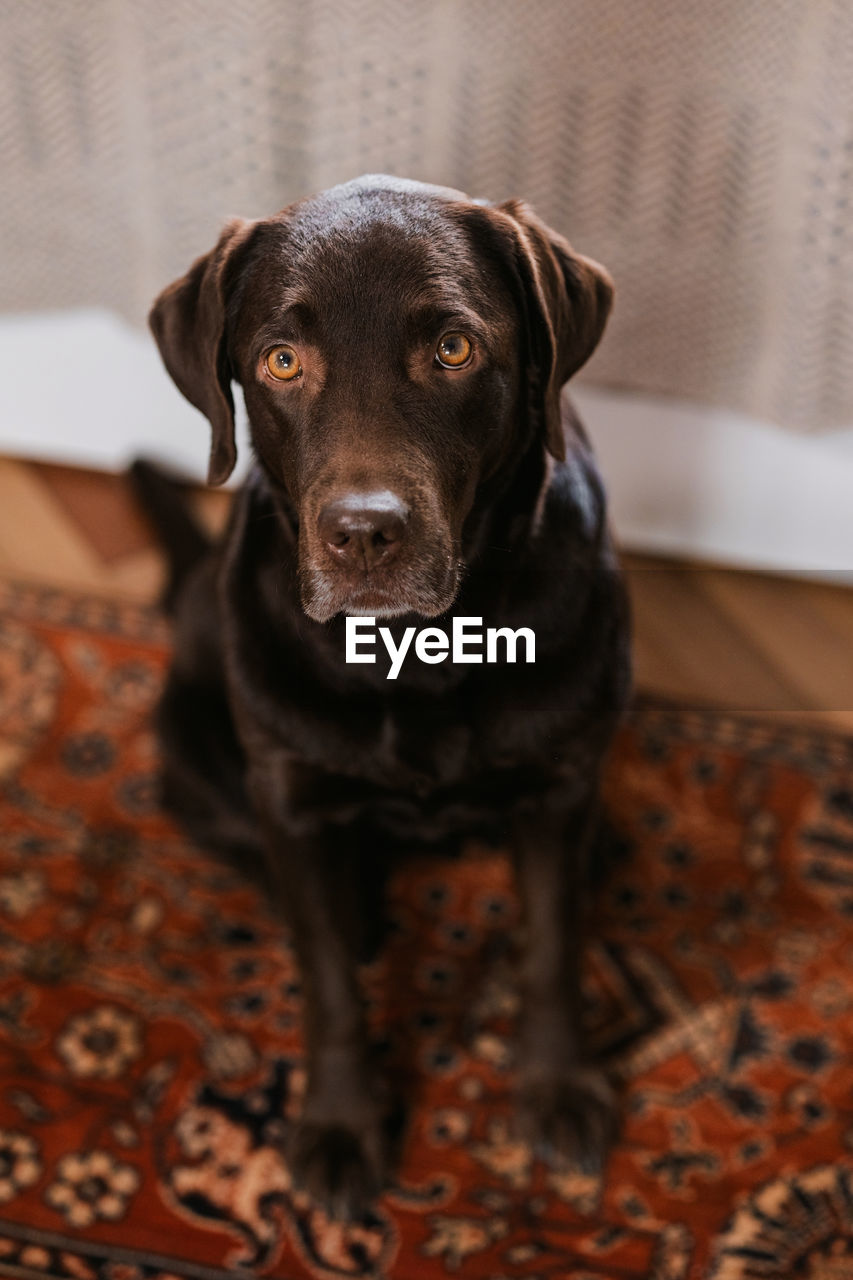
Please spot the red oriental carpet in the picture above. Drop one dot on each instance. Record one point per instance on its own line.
(149, 1012)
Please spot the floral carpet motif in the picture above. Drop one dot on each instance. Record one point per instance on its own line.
(150, 1061)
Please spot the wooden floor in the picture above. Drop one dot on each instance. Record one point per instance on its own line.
(761, 642)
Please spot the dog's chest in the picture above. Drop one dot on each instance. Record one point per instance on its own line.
(413, 745)
(422, 752)
(434, 777)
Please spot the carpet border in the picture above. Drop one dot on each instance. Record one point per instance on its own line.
(106, 1252)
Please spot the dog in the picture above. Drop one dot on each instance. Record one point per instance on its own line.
(402, 351)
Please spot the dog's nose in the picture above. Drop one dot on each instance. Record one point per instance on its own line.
(363, 528)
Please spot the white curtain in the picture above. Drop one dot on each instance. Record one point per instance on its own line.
(704, 152)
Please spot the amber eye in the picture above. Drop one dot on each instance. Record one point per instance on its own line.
(283, 364)
(453, 350)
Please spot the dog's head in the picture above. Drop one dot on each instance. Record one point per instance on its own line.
(398, 346)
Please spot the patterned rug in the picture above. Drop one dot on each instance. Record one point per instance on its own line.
(149, 1012)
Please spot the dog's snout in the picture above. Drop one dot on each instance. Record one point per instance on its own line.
(363, 528)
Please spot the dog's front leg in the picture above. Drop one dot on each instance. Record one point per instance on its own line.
(566, 1108)
(337, 1152)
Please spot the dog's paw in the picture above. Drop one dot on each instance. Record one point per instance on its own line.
(342, 1169)
(570, 1120)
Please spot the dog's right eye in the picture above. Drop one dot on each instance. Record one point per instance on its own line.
(283, 364)
(453, 350)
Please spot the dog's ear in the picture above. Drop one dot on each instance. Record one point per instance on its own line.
(188, 323)
(567, 299)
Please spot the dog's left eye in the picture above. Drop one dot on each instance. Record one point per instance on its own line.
(283, 364)
(453, 350)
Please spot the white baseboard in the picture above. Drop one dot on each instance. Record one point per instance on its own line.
(83, 387)
(715, 485)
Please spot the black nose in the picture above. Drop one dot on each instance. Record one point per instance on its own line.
(363, 528)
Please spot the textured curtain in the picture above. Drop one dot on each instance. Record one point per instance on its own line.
(704, 152)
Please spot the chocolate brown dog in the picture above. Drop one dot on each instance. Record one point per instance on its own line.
(401, 351)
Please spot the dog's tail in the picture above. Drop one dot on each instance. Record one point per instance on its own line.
(180, 535)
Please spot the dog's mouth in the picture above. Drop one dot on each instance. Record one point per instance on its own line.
(383, 594)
